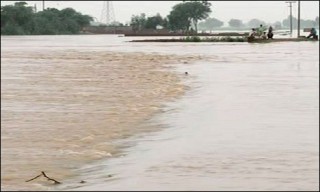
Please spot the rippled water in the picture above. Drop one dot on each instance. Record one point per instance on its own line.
(250, 120)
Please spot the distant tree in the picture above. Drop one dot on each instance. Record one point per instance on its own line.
(286, 22)
(138, 22)
(75, 19)
(188, 13)
(307, 23)
(200, 11)
(153, 22)
(204, 2)
(235, 23)
(165, 23)
(255, 23)
(21, 20)
(48, 22)
(116, 23)
(67, 21)
(277, 25)
(303, 23)
(210, 24)
(16, 19)
(317, 21)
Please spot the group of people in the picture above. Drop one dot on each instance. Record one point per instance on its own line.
(260, 32)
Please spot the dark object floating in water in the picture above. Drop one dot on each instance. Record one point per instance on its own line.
(186, 73)
(49, 179)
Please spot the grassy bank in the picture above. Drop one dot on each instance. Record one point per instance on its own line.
(197, 39)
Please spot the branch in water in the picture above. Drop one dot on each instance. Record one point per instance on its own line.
(49, 179)
(34, 178)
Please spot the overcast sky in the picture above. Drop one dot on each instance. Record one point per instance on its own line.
(268, 11)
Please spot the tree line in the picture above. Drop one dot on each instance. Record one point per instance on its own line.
(213, 23)
(183, 16)
(19, 19)
(140, 22)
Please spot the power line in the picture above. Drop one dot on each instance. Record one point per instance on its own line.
(107, 14)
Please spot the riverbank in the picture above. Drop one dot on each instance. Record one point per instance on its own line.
(219, 34)
(226, 39)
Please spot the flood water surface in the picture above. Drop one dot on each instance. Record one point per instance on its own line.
(124, 116)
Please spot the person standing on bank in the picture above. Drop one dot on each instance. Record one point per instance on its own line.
(260, 30)
(270, 33)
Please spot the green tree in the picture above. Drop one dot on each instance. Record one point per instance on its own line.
(165, 23)
(138, 22)
(153, 22)
(205, 2)
(178, 20)
(73, 21)
(186, 14)
(16, 18)
(48, 22)
(21, 20)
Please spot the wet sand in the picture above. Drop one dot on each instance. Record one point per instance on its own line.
(61, 109)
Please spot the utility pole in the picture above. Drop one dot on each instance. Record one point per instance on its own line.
(290, 5)
(298, 19)
(43, 5)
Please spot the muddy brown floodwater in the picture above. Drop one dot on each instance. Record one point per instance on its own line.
(244, 118)
(62, 109)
